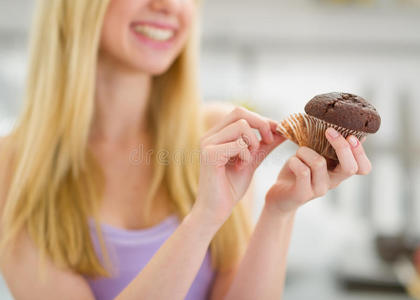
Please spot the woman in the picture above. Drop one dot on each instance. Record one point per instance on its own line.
(91, 180)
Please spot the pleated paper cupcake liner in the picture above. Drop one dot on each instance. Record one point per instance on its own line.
(308, 131)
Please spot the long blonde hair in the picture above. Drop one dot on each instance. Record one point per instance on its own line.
(56, 184)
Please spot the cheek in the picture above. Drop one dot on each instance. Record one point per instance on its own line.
(188, 19)
(116, 22)
(119, 43)
(188, 16)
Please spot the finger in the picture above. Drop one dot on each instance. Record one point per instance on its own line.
(245, 155)
(319, 172)
(243, 158)
(364, 165)
(273, 125)
(348, 165)
(219, 155)
(303, 177)
(265, 149)
(234, 131)
(254, 120)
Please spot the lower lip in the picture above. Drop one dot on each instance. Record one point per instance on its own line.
(157, 45)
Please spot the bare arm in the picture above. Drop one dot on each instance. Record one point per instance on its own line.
(262, 271)
(260, 244)
(305, 177)
(20, 267)
(223, 280)
(20, 270)
(177, 262)
(173, 268)
(184, 252)
(175, 265)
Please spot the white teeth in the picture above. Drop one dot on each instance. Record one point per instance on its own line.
(158, 34)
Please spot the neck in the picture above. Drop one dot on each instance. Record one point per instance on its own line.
(121, 100)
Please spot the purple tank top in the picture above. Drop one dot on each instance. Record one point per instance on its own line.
(131, 250)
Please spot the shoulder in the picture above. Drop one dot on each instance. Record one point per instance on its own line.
(214, 112)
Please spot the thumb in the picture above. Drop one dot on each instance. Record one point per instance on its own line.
(265, 149)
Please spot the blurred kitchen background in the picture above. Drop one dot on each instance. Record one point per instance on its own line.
(272, 56)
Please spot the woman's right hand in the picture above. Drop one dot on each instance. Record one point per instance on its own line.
(230, 153)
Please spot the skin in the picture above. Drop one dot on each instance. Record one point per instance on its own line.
(231, 152)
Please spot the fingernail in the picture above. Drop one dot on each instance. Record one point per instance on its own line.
(278, 132)
(333, 133)
(242, 142)
(246, 139)
(354, 142)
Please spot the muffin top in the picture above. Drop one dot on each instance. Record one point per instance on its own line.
(345, 110)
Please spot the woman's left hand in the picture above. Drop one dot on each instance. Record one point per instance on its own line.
(306, 176)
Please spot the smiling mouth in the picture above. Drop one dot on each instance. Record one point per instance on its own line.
(154, 33)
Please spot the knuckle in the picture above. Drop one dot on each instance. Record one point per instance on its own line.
(309, 195)
(266, 125)
(366, 170)
(334, 184)
(320, 163)
(249, 135)
(238, 111)
(303, 200)
(316, 194)
(350, 171)
(363, 172)
(203, 143)
(206, 150)
(323, 191)
(369, 167)
(300, 151)
(291, 160)
(304, 172)
(207, 156)
(243, 124)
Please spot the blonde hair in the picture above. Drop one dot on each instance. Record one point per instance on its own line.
(56, 184)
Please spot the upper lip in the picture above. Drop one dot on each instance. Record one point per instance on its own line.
(156, 24)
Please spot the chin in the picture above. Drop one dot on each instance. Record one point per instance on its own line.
(154, 69)
(157, 71)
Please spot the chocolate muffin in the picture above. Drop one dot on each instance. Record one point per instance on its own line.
(345, 110)
(347, 113)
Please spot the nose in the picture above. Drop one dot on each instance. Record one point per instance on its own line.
(165, 6)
